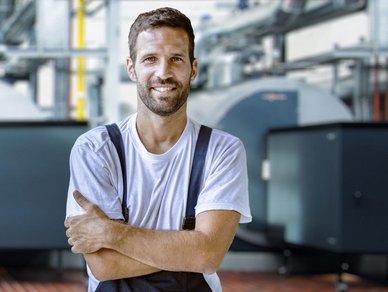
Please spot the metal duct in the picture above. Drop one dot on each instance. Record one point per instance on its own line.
(246, 22)
(279, 17)
(15, 106)
(251, 19)
(293, 6)
(378, 23)
(331, 10)
(6, 9)
(14, 28)
(227, 64)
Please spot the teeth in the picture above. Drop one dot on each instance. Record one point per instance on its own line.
(162, 89)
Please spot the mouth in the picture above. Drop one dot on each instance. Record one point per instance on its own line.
(163, 89)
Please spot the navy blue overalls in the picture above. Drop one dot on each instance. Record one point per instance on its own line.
(164, 280)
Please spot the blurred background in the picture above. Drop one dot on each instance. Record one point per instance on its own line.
(303, 83)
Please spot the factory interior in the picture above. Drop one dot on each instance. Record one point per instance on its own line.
(274, 73)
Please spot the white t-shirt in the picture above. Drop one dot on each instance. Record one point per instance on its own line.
(157, 184)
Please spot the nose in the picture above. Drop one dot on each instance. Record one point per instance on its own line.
(163, 70)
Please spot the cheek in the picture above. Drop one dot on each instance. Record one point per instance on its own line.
(143, 75)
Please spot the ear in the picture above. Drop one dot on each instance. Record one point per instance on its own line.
(131, 69)
(194, 69)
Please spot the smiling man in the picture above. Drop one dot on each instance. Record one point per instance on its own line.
(152, 252)
(163, 70)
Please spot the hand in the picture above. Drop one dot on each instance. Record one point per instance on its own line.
(87, 233)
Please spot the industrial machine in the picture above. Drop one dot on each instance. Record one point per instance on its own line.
(249, 110)
(245, 85)
(15, 106)
(327, 187)
(34, 176)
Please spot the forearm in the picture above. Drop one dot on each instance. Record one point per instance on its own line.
(107, 264)
(200, 250)
(170, 250)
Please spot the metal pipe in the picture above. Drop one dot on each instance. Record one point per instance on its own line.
(386, 90)
(112, 77)
(293, 7)
(337, 54)
(14, 28)
(357, 90)
(80, 103)
(249, 21)
(376, 93)
(9, 52)
(93, 11)
(6, 9)
(278, 17)
(70, 63)
(326, 12)
(366, 101)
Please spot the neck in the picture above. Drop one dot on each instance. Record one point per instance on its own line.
(157, 133)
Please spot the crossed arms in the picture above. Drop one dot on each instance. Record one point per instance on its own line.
(115, 250)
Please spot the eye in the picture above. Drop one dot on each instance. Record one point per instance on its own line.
(150, 59)
(176, 59)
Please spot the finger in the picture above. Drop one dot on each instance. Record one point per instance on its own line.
(72, 220)
(67, 223)
(75, 250)
(81, 200)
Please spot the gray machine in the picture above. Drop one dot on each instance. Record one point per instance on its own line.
(328, 186)
(34, 176)
(16, 107)
(249, 110)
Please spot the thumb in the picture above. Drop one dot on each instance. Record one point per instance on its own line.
(81, 200)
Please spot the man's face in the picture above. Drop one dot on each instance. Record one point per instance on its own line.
(162, 69)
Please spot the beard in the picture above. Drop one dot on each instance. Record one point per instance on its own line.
(164, 106)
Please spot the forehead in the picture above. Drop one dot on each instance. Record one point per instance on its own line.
(166, 38)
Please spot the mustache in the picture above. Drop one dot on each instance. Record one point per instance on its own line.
(160, 81)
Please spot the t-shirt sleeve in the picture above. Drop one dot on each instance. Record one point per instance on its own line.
(95, 178)
(225, 184)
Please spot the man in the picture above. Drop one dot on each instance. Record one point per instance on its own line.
(159, 142)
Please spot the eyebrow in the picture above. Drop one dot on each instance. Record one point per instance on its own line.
(178, 55)
(146, 55)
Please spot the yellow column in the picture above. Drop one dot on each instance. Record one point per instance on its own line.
(80, 102)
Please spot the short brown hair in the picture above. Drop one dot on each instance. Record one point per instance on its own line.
(166, 16)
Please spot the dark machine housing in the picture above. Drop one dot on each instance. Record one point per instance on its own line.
(328, 186)
(34, 177)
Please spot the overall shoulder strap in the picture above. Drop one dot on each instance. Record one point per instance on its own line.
(115, 136)
(196, 175)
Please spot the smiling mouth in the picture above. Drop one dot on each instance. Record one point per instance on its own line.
(163, 89)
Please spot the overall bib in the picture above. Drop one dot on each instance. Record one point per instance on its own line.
(164, 280)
